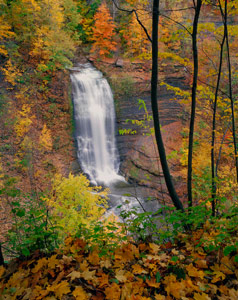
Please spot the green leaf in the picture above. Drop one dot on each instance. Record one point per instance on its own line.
(229, 249)
(21, 213)
(25, 252)
(174, 258)
(158, 277)
(114, 280)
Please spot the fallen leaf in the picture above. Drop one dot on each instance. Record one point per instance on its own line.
(194, 272)
(103, 279)
(84, 265)
(159, 297)
(201, 263)
(173, 287)
(233, 294)
(202, 296)
(74, 274)
(105, 263)
(40, 264)
(152, 283)
(88, 275)
(53, 261)
(113, 292)
(93, 258)
(62, 289)
(2, 271)
(80, 294)
(154, 249)
(120, 276)
(218, 276)
(137, 269)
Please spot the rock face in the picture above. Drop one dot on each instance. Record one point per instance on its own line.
(138, 151)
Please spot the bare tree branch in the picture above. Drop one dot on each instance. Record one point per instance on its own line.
(137, 18)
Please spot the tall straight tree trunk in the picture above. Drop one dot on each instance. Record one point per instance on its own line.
(154, 80)
(224, 14)
(214, 125)
(193, 105)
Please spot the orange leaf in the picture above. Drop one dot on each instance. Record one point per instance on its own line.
(153, 283)
(103, 280)
(93, 258)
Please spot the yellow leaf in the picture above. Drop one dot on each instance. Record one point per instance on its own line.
(173, 287)
(120, 276)
(202, 296)
(2, 271)
(105, 263)
(159, 297)
(193, 272)
(88, 275)
(52, 261)
(201, 263)
(218, 276)
(80, 294)
(74, 275)
(45, 140)
(93, 258)
(84, 265)
(40, 264)
(233, 294)
(227, 266)
(175, 252)
(224, 290)
(113, 292)
(62, 289)
(154, 248)
(137, 269)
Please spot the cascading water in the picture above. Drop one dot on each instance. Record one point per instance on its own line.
(94, 121)
(95, 125)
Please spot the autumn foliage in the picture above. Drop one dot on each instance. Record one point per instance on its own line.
(38, 41)
(144, 271)
(103, 32)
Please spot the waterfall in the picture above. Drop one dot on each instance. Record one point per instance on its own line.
(95, 125)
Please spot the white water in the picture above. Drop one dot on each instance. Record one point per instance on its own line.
(95, 125)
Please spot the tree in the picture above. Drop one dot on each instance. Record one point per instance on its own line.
(197, 8)
(154, 80)
(103, 32)
(214, 120)
(154, 104)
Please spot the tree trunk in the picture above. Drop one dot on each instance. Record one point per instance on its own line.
(154, 79)
(1, 256)
(214, 127)
(193, 105)
(230, 87)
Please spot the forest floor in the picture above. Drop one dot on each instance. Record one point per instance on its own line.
(184, 270)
